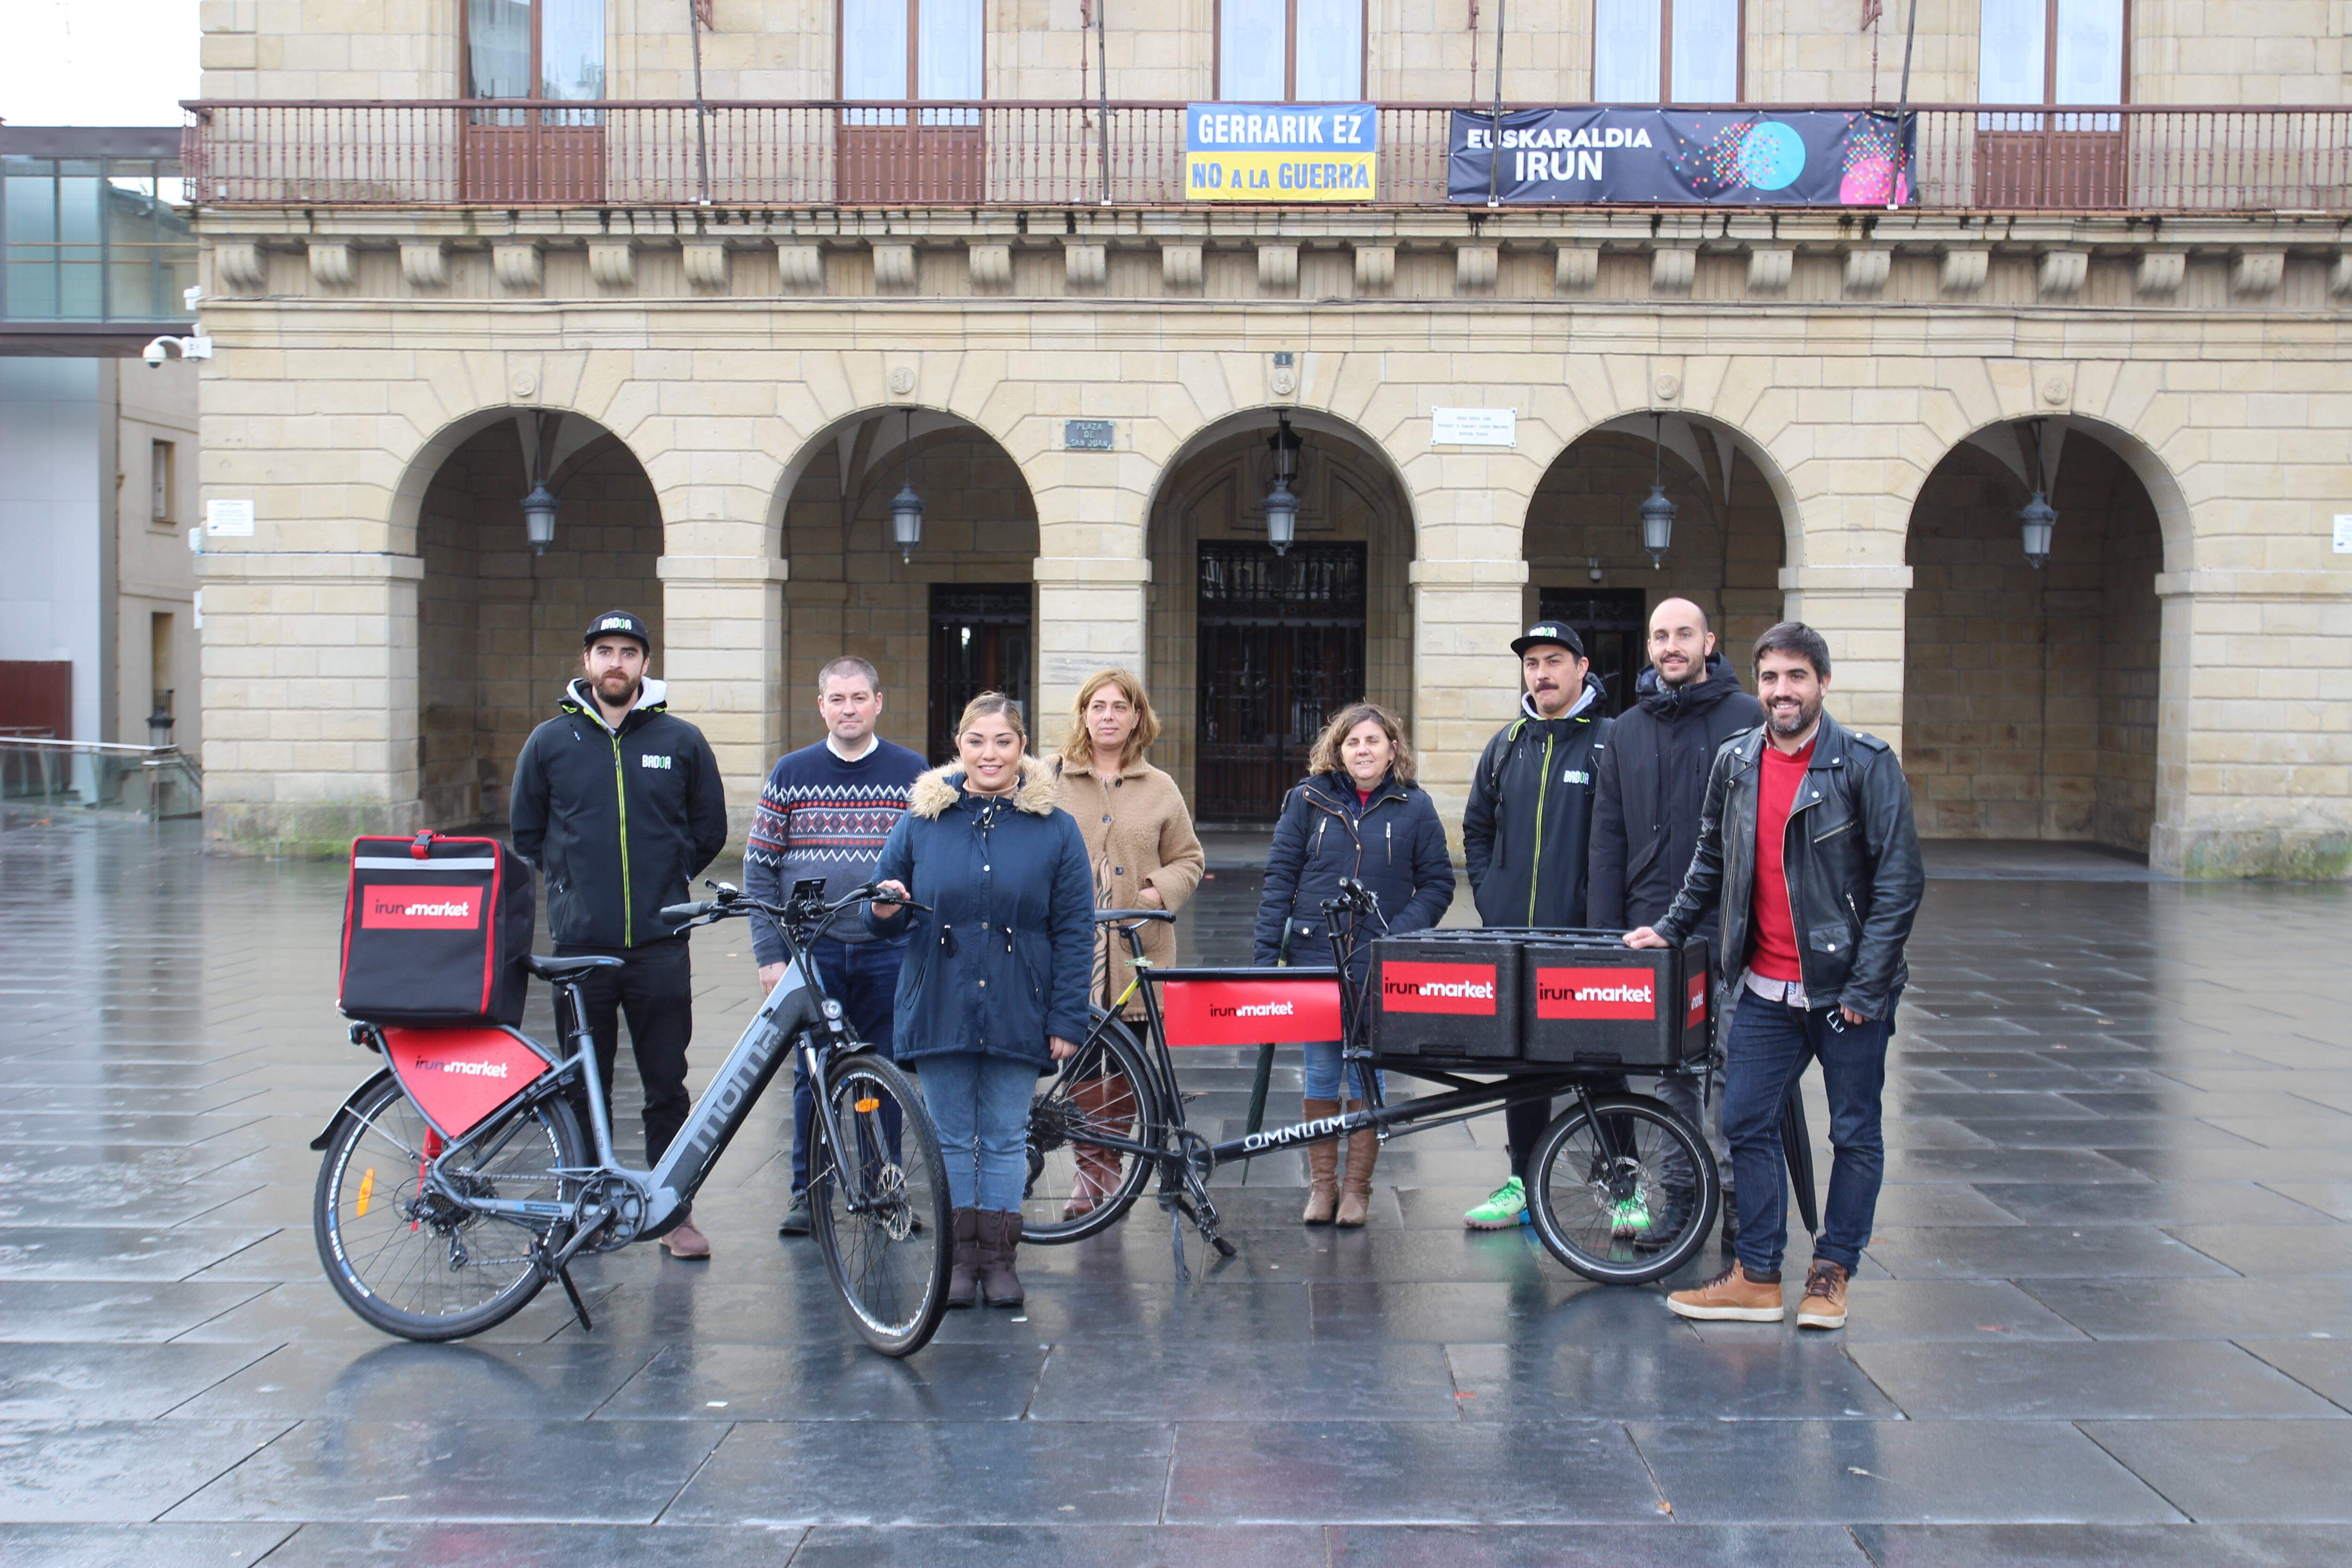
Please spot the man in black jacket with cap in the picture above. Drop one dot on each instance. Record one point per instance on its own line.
(1650, 786)
(1524, 834)
(619, 803)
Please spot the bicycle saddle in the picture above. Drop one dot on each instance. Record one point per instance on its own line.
(551, 968)
(1115, 917)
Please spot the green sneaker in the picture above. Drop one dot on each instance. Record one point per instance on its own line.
(1629, 1216)
(1502, 1207)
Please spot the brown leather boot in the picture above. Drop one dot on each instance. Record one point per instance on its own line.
(1825, 1303)
(1000, 1234)
(963, 1273)
(1110, 1107)
(1733, 1296)
(1322, 1165)
(1356, 1188)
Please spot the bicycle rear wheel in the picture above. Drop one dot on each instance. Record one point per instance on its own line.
(1624, 1196)
(416, 1264)
(1102, 1091)
(884, 1230)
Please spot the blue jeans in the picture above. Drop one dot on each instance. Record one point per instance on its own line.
(1323, 1064)
(1771, 1043)
(863, 976)
(981, 1106)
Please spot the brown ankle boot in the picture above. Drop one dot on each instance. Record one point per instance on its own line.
(1000, 1234)
(1355, 1189)
(1322, 1165)
(963, 1273)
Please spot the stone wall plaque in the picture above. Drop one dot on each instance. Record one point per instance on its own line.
(1474, 426)
(1087, 434)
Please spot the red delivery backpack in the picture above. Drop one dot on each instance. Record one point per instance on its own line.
(437, 931)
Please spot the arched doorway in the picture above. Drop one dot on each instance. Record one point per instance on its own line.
(1587, 565)
(499, 625)
(1252, 649)
(2030, 696)
(954, 616)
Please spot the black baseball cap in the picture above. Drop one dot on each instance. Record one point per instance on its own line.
(1543, 632)
(617, 624)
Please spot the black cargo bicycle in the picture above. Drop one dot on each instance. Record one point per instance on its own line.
(1619, 1188)
(456, 1182)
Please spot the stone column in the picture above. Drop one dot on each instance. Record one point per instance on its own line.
(1464, 615)
(1858, 610)
(1091, 613)
(309, 698)
(723, 630)
(2252, 731)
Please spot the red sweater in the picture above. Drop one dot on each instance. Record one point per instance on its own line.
(1775, 957)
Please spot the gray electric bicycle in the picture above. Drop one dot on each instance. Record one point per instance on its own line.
(457, 1184)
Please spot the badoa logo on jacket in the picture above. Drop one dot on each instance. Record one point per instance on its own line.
(1595, 994)
(1438, 988)
(421, 909)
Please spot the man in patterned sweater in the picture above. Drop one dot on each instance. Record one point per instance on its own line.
(825, 812)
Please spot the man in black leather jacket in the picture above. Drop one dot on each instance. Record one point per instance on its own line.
(1806, 843)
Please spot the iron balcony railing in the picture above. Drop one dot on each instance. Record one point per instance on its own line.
(1967, 158)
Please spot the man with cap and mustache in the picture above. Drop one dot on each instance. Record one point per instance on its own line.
(618, 802)
(1524, 834)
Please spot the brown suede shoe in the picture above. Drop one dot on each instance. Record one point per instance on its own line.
(1731, 1296)
(1825, 1303)
(684, 1241)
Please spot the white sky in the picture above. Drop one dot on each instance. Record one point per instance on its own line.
(98, 62)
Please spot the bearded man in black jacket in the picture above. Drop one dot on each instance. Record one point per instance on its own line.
(1650, 785)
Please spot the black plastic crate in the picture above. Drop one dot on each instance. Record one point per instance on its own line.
(1586, 998)
(1445, 994)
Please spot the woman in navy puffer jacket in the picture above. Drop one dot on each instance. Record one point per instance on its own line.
(1356, 814)
(993, 989)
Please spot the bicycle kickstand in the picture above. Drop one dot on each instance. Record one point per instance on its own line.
(578, 1307)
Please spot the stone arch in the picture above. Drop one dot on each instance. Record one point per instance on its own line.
(498, 626)
(852, 591)
(2032, 696)
(1246, 652)
(1736, 522)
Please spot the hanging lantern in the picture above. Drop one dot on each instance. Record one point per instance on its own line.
(2037, 519)
(906, 507)
(1656, 511)
(538, 517)
(1281, 504)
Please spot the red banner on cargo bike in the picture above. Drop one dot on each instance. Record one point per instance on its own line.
(1249, 1007)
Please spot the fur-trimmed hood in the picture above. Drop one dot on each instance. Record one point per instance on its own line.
(942, 787)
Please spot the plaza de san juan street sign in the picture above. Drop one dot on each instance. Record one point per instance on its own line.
(1281, 152)
(1660, 156)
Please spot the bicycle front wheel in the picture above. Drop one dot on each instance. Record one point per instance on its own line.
(418, 1264)
(1625, 1195)
(1077, 1188)
(878, 1205)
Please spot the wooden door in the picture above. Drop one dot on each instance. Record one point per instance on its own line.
(2039, 162)
(981, 641)
(1281, 648)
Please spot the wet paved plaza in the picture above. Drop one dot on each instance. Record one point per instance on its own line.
(2106, 1316)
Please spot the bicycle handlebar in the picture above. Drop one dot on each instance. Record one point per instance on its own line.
(1118, 917)
(679, 914)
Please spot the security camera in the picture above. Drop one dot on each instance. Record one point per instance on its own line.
(196, 347)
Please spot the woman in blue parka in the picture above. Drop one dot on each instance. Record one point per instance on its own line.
(993, 990)
(1358, 814)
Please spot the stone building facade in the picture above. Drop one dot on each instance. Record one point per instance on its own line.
(1847, 406)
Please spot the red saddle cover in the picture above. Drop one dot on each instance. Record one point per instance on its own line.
(456, 1077)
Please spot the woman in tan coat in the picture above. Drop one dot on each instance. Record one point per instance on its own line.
(1140, 840)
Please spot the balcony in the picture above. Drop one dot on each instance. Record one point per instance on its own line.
(780, 157)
